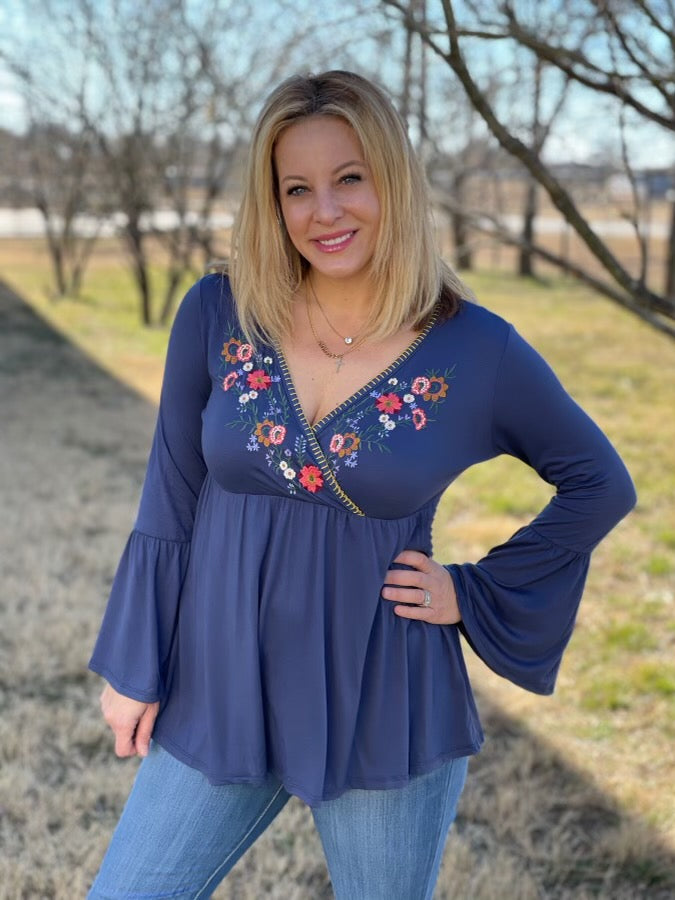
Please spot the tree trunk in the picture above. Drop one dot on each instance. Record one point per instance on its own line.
(670, 256)
(525, 257)
(461, 232)
(175, 277)
(139, 265)
(58, 267)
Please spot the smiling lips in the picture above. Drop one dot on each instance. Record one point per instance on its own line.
(332, 243)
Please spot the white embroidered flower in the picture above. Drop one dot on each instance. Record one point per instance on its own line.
(244, 398)
(247, 366)
(393, 381)
(409, 398)
(283, 465)
(289, 473)
(252, 395)
(268, 360)
(390, 425)
(384, 418)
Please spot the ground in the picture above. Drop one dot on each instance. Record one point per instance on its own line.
(73, 446)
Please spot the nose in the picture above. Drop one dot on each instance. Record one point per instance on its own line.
(327, 207)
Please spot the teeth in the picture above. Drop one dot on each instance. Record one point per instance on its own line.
(332, 242)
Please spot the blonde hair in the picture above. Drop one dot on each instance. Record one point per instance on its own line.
(409, 280)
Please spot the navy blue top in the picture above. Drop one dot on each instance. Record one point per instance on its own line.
(248, 597)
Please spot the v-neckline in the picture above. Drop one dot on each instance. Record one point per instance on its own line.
(352, 398)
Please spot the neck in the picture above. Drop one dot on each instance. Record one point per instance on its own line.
(346, 302)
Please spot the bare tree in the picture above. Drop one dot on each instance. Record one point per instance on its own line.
(629, 69)
(59, 151)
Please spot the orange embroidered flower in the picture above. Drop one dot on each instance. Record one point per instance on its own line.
(350, 443)
(420, 385)
(263, 431)
(230, 350)
(419, 418)
(311, 478)
(438, 388)
(259, 380)
(229, 380)
(389, 403)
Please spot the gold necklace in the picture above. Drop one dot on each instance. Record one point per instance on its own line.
(347, 340)
(339, 357)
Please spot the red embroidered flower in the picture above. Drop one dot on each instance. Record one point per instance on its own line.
(263, 431)
(420, 385)
(389, 403)
(277, 434)
(229, 380)
(259, 379)
(311, 478)
(336, 443)
(437, 389)
(419, 418)
(245, 352)
(231, 349)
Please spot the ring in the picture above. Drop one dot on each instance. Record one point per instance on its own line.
(427, 599)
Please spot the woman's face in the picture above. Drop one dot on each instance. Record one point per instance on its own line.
(328, 198)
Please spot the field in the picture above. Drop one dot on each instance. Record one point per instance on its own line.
(572, 796)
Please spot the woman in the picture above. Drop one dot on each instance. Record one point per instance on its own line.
(278, 624)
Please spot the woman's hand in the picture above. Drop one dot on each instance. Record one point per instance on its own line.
(433, 583)
(131, 721)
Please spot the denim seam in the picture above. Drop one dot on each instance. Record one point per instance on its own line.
(438, 839)
(234, 849)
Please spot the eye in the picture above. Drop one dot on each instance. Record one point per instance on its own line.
(351, 178)
(295, 190)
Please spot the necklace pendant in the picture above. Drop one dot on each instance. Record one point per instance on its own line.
(349, 340)
(338, 365)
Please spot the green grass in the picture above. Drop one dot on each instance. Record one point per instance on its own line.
(617, 683)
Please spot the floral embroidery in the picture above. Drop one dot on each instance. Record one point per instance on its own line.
(269, 433)
(311, 478)
(389, 403)
(438, 388)
(264, 412)
(409, 406)
(230, 348)
(368, 421)
(259, 379)
(419, 418)
(344, 444)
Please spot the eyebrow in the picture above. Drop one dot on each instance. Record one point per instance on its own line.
(345, 165)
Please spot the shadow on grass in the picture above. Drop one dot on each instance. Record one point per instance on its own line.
(529, 826)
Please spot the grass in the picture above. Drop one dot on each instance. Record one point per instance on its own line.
(612, 719)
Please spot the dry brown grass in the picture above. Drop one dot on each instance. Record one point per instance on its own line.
(577, 803)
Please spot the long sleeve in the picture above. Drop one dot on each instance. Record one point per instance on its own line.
(519, 603)
(138, 626)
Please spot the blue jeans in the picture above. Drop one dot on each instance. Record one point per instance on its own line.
(179, 835)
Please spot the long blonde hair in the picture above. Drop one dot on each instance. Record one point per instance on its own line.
(408, 277)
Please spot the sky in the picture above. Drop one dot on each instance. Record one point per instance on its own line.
(588, 126)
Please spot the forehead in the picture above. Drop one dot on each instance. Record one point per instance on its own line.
(315, 141)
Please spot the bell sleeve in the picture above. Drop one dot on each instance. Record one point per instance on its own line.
(133, 644)
(519, 603)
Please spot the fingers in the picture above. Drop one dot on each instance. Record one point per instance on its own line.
(144, 729)
(403, 594)
(414, 558)
(421, 613)
(126, 716)
(409, 586)
(124, 739)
